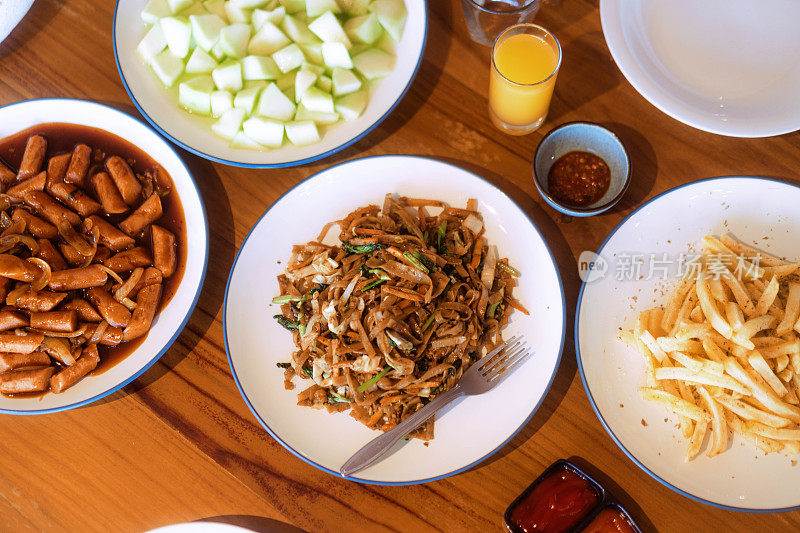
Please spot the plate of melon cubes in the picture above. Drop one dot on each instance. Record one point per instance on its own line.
(267, 83)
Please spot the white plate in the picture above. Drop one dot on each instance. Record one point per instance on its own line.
(758, 211)
(474, 428)
(11, 13)
(194, 134)
(169, 323)
(724, 66)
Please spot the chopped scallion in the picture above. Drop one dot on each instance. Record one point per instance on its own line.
(374, 379)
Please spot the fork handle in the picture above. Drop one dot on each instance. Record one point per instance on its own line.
(377, 447)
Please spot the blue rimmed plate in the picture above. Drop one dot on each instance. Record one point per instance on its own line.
(470, 431)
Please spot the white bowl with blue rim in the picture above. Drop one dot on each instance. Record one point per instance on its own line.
(583, 137)
(193, 133)
(169, 323)
(470, 430)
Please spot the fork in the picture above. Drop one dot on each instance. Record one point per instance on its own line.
(483, 376)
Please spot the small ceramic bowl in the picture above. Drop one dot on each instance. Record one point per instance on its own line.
(584, 137)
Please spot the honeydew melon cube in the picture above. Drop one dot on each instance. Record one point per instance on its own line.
(274, 16)
(336, 55)
(315, 99)
(178, 33)
(249, 4)
(200, 62)
(264, 131)
(373, 63)
(286, 82)
(216, 7)
(316, 69)
(195, 94)
(293, 6)
(195, 9)
(274, 104)
(236, 14)
(387, 44)
(167, 67)
(327, 28)
(289, 93)
(246, 99)
(221, 102)
(313, 52)
(289, 58)
(154, 10)
(267, 40)
(272, 5)
(233, 39)
(298, 31)
(326, 119)
(153, 43)
(363, 29)
(344, 82)
(355, 8)
(228, 76)
(315, 8)
(260, 68)
(302, 132)
(325, 83)
(206, 30)
(229, 123)
(261, 84)
(176, 6)
(216, 52)
(303, 80)
(391, 15)
(352, 105)
(240, 140)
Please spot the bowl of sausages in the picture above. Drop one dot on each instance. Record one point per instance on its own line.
(98, 274)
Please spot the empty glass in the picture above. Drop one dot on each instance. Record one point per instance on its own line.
(486, 19)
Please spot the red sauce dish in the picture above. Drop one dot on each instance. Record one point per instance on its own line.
(609, 520)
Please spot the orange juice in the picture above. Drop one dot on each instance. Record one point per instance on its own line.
(523, 76)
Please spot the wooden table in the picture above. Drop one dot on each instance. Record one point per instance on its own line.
(179, 444)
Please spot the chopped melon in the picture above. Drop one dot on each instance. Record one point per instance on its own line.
(228, 76)
(303, 113)
(293, 6)
(313, 52)
(264, 131)
(178, 33)
(167, 67)
(325, 83)
(315, 8)
(236, 14)
(216, 52)
(249, 4)
(268, 40)
(154, 10)
(153, 43)
(221, 102)
(327, 28)
(315, 99)
(373, 63)
(206, 30)
(364, 29)
(274, 104)
(246, 99)
(298, 31)
(176, 6)
(303, 80)
(302, 132)
(352, 105)
(233, 39)
(274, 16)
(229, 123)
(355, 8)
(336, 55)
(260, 68)
(316, 69)
(392, 16)
(289, 58)
(194, 9)
(195, 94)
(286, 81)
(344, 82)
(200, 62)
(240, 140)
(217, 7)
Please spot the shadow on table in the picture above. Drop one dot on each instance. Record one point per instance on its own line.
(258, 524)
(644, 166)
(41, 11)
(623, 497)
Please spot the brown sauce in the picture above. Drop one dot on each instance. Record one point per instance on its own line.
(579, 179)
(62, 138)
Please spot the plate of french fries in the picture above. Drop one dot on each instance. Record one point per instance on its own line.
(689, 344)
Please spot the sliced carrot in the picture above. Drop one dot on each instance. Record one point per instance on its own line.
(516, 305)
(400, 293)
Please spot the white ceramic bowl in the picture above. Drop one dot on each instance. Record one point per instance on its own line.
(169, 323)
(194, 133)
(724, 66)
(469, 431)
(11, 13)
(759, 211)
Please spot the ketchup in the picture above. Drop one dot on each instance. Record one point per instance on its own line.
(609, 520)
(556, 504)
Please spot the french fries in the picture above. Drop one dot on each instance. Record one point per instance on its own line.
(724, 352)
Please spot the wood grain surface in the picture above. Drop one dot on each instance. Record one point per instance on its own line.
(179, 443)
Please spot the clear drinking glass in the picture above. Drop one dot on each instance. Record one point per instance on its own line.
(525, 63)
(486, 19)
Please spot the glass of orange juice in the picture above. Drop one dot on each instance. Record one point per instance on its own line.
(525, 62)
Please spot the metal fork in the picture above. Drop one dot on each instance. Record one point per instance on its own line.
(484, 375)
